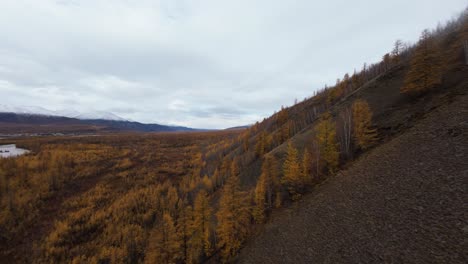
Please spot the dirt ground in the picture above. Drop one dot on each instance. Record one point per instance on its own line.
(402, 202)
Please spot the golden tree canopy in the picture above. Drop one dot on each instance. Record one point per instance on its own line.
(364, 135)
(425, 66)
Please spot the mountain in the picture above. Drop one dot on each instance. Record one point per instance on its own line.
(370, 170)
(33, 110)
(33, 119)
(26, 123)
(71, 113)
(136, 126)
(99, 115)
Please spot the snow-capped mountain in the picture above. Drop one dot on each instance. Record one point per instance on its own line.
(38, 120)
(30, 110)
(67, 113)
(99, 115)
(71, 113)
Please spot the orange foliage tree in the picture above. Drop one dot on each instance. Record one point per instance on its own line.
(326, 138)
(425, 66)
(364, 135)
(233, 218)
(292, 176)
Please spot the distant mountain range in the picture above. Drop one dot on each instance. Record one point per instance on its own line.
(71, 113)
(38, 120)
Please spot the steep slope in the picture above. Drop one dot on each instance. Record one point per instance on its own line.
(275, 170)
(401, 202)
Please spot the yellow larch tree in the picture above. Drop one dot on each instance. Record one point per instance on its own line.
(263, 186)
(457, 53)
(262, 144)
(326, 138)
(292, 177)
(266, 188)
(364, 135)
(200, 242)
(184, 229)
(164, 243)
(233, 218)
(260, 200)
(425, 66)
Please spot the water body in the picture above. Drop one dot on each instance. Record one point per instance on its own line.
(9, 151)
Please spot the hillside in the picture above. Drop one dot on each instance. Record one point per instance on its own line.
(371, 169)
(265, 153)
(379, 85)
(401, 202)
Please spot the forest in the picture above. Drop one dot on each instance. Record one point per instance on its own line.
(198, 197)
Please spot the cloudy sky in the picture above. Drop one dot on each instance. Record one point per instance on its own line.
(198, 63)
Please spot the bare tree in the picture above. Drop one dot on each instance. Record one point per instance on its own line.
(346, 133)
(398, 48)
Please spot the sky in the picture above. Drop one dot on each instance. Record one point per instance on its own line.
(197, 63)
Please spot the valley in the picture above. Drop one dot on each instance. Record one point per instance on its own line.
(372, 169)
(71, 193)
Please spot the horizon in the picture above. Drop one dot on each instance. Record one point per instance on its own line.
(206, 65)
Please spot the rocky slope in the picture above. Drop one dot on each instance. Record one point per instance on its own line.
(404, 201)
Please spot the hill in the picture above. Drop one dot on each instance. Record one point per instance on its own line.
(273, 164)
(401, 202)
(27, 124)
(371, 169)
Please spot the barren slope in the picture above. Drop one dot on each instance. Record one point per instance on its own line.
(404, 201)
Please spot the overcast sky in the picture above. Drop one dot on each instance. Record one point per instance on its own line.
(198, 63)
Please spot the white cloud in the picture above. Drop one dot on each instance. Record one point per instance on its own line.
(202, 63)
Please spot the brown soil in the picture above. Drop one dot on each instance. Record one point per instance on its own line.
(402, 202)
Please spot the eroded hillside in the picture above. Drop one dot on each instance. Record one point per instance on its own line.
(401, 202)
(371, 169)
